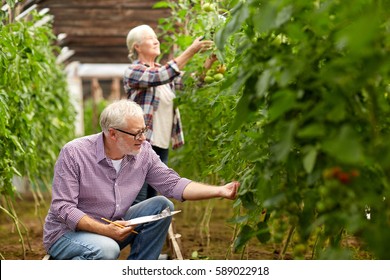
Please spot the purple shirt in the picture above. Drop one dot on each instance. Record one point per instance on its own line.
(86, 183)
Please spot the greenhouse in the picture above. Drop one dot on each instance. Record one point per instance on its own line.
(284, 115)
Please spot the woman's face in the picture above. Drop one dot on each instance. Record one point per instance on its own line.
(149, 47)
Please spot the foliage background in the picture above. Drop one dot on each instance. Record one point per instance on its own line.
(301, 118)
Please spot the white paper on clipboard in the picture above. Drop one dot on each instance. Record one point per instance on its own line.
(147, 219)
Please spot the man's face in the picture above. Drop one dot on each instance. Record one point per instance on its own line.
(130, 138)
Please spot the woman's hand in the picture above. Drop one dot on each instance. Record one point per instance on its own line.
(201, 45)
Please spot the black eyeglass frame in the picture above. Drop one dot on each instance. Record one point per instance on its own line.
(136, 136)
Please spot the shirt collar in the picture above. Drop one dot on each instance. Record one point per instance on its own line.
(139, 62)
(100, 154)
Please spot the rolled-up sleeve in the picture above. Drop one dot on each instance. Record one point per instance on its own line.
(164, 179)
(139, 76)
(177, 192)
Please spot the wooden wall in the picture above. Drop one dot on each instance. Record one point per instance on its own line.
(97, 29)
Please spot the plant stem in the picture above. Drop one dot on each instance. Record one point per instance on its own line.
(289, 236)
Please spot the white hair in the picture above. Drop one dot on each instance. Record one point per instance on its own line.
(135, 36)
(117, 114)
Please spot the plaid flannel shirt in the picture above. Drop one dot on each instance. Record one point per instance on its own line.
(140, 82)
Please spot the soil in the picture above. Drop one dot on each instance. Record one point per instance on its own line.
(197, 239)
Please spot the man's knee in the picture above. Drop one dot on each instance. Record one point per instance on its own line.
(164, 202)
(107, 251)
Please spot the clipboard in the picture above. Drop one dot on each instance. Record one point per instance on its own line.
(152, 218)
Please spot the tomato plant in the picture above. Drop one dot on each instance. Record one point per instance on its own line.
(306, 91)
(36, 115)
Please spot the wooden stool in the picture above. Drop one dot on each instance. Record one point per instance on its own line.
(174, 242)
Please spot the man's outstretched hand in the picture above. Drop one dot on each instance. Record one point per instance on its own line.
(229, 190)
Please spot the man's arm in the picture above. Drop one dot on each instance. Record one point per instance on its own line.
(199, 191)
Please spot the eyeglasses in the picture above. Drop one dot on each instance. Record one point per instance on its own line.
(137, 136)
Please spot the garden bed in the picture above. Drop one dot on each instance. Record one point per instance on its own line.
(188, 224)
(193, 232)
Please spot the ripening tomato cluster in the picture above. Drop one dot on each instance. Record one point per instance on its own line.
(215, 74)
(338, 173)
(334, 197)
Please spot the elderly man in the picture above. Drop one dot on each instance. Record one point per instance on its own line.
(99, 176)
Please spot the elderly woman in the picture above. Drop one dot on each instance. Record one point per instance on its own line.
(152, 86)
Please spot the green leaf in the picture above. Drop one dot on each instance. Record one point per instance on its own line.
(282, 102)
(242, 111)
(246, 104)
(283, 15)
(239, 219)
(16, 172)
(16, 142)
(247, 200)
(351, 36)
(282, 148)
(263, 234)
(239, 15)
(312, 130)
(194, 255)
(345, 146)
(337, 112)
(243, 237)
(263, 83)
(310, 159)
(161, 5)
(270, 18)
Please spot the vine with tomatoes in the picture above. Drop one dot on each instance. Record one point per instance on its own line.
(300, 118)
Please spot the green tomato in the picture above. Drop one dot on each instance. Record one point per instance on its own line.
(207, 7)
(208, 79)
(210, 72)
(218, 77)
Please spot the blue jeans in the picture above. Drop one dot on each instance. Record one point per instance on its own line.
(147, 191)
(146, 245)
